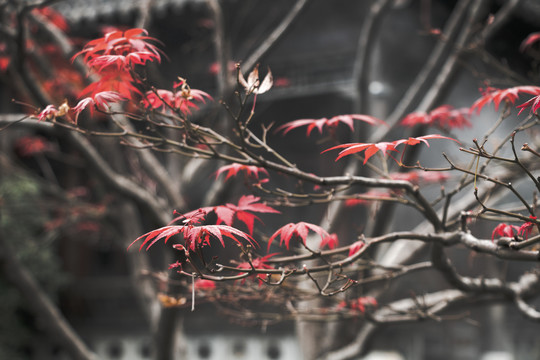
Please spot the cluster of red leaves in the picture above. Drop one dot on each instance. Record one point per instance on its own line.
(385, 147)
(444, 116)
(121, 50)
(27, 146)
(113, 57)
(498, 96)
(251, 171)
(195, 235)
(226, 214)
(359, 304)
(181, 99)
(330, 124)
(300, 231)
(506, 230)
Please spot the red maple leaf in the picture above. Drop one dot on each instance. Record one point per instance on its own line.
(48, 113)
(370, 149)
(533, 103)
(299, 230)
(226, 214)
(356, 247)
(330, 124)
(126, 48)
(99, 101)
(385, 147)
(529, 40)
(194, 236)
(181, 99)
(526, 229)
(259, 263)
(497, 96)
(504, 230)
(444, 116)
(331, 241)
(422, 139)
(251, 171)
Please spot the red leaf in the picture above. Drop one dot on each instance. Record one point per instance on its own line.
(356, 247)
(504, 230)
(526, 229)
(424, 139)
(194, 236)
(370, 149)
(233, 169)
(299, 230)
(529, 40)
(100, 101)
(332, 241)
(533, 103)
(497, 96)
(444, 116)
(331, 123)
(226, 214)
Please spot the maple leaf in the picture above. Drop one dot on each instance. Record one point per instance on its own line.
(181, 99)
(422, 139)
(330, 241)
(356, 247)
(526, 229)
(529, 40)
(99, 101)
(48, 113)
(125, 48)
(194, 236)
(444, 116)
(226, 214)
(504, 230)
(259, 263)
(533, 103)
(299, 231)
(233, 169)
(117, 81)
(253, 84)
(497, 96)
(331, 123)
(369, 148)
